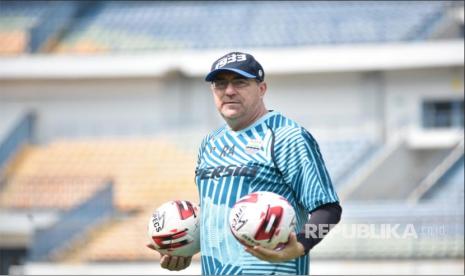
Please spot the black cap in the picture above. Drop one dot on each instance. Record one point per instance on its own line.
(241, 63)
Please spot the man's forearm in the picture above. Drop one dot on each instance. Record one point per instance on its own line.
(321, 218)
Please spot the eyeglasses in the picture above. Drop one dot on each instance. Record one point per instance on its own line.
(236, 83)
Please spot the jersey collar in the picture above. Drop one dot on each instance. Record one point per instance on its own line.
(269, 114)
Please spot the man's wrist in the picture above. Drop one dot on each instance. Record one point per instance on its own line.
(301, 249)
(306, 243)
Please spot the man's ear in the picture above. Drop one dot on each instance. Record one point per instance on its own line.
(263, 87)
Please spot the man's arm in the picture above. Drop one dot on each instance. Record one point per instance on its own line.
(322, 218)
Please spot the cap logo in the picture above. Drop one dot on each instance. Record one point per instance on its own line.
(229, 59)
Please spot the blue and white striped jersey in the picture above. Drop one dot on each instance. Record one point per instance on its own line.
(274, 154)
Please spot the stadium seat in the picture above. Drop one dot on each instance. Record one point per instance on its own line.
(106, 243)
(16, 19)
(143, 172)
(142, 26)
(13, 42)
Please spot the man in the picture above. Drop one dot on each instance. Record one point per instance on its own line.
(257, 150)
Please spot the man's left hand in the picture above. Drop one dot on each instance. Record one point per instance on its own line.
(293, 249)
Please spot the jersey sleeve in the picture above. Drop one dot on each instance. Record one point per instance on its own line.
(301, 164)
(201, 150)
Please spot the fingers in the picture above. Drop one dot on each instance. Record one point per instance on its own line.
(293, 247)
(264, 253)
(253, 252)
(172, 262)
(188, 261)
(291, 242)
(164, 261)
(151, 246)
(175, 263)
(291, 250)
(181, 263)
(292, 238)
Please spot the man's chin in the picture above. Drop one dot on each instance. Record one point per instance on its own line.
(230, 114)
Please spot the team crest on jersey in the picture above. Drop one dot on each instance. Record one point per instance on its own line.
(254, 146)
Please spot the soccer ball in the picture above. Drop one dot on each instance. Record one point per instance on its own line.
(262, 218)
(174, 228)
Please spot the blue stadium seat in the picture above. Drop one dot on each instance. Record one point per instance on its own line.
(137, 25)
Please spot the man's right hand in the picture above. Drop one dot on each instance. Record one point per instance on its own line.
(174, 263)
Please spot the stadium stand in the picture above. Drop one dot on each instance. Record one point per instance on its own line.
(30, 26)
(66, 178)
(16, 19)
(140, 26)
(104, 244)
(75, 169)
(12, 42)
(16, 132)
(16, 129)
(392, 173)
(450, 188)
(65, 174)
(126, 26)
(143, 171)
(48, 192)
(50, 243)
(343, 157)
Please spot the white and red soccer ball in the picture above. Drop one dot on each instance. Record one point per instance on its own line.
(262, 218)
(174, 228)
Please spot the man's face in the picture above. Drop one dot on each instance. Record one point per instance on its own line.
(236, 97)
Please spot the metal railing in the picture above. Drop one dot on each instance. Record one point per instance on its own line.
(21, 133)
(435, 176)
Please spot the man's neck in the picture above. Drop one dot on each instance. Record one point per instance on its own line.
(237, 124)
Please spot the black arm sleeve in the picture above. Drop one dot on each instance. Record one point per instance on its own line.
(321, 219)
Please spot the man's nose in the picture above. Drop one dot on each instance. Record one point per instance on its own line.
(230, 90)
